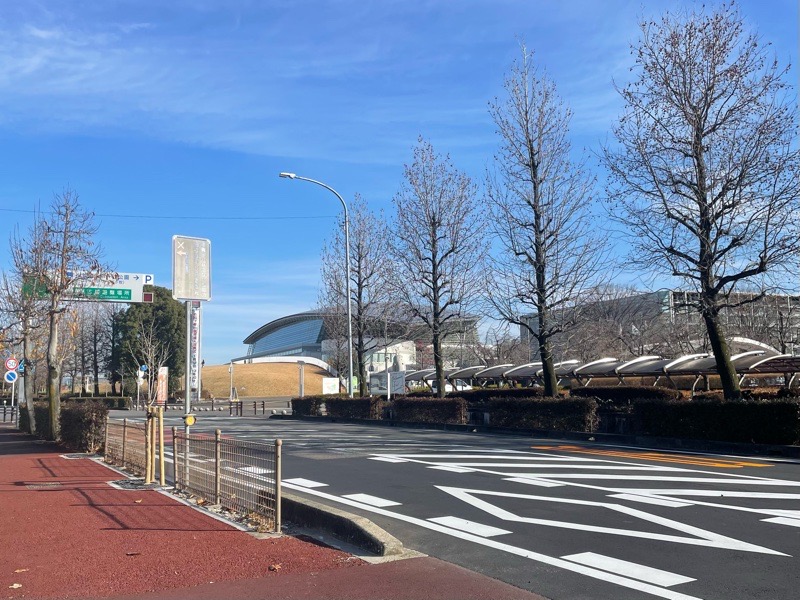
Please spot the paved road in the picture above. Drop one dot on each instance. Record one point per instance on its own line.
(566, 520)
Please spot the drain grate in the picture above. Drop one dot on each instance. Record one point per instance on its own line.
(48, 485)
(133, 484)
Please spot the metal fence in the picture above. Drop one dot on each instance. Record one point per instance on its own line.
(240, 475)
(125, 445)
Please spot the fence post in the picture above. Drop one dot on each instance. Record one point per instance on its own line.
(124, 439)
(217, 466)
(255, 409)
(278, 444)
(230, 408)
(263, 409)
(105, 440)
(174, 458)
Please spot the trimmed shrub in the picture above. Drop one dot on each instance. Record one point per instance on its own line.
(477, 395)
(354, 408)
(110, 402)
(750, 421)
(41, 412)
(556, 414)
(83, 425)
(625, 394)
(308, 406)
(423, 410)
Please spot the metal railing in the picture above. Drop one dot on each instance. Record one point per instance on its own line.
(242, 476)
(125, 445)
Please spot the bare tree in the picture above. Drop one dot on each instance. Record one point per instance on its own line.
(438, 245)
(22, 299)
(369, 267)
(147, 347)
(704, 175)
(70, 258)
(541, 200)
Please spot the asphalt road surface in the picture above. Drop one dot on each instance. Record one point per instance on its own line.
(563, 519)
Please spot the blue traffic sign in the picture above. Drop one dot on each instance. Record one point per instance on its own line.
(143, 368)
(10, 376)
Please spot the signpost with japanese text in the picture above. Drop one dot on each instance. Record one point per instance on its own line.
(191, 282)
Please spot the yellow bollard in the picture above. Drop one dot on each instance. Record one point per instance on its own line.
(148, 440)
(161, 445)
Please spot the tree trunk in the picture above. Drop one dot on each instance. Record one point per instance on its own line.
(54, 378)
(548, 370)
(438, 363)
(27, 383)
(722, 354)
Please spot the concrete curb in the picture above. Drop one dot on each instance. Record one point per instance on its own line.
(352, 529)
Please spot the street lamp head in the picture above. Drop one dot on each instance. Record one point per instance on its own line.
(288, 175)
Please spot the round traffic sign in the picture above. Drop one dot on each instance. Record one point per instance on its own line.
(11, 363)
(10, 376)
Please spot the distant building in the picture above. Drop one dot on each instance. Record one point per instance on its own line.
(666, 322)
(305, 335)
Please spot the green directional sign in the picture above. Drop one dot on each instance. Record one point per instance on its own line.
(103, 293)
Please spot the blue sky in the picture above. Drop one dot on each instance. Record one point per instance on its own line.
(176, 117)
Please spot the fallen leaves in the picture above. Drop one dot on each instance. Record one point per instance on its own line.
(275, 567)
(15, 586)
(138, 501)
(133, 553)
(21, 570)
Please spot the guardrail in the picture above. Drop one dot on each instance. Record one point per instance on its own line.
(125, 445)
(242, 476)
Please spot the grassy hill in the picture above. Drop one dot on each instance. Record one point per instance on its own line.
(262, 380)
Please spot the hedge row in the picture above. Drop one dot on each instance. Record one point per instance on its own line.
(423, 410)
(752, 421)
(625, 394)
(110, 402)
(354, 408)
(308, 406)
(82, 423)
(556, 414)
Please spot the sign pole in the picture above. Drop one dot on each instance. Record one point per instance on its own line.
(187, 403)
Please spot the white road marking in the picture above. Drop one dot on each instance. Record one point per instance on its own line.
(663, 478)
(701, 537)
(389, 459)
(532, 481)
(629, 569)
(536, 556)
(452, 469)
(710, 493)
(504, 457)
(783, 521)
(469, 526)
(371, 500)
(254, 470)
(305, 483)
(551, 466)
(647, 499)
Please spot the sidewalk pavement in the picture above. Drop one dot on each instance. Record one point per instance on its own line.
(66, 533)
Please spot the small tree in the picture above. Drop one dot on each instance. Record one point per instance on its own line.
(437, 247)
(705, 173)
(369, 268)
(552, 255)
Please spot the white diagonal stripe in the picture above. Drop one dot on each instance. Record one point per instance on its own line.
(628, 569)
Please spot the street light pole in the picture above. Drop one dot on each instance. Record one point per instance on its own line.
(346, 274)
